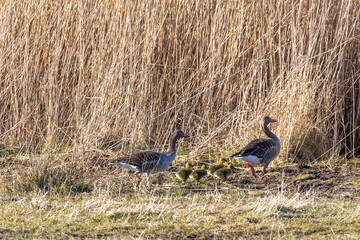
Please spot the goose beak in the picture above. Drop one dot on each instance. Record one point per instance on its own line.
(186, 136)
(272, 120)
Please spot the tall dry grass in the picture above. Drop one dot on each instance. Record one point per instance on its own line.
(76, 73)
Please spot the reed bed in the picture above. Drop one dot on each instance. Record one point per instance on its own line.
(81, 74)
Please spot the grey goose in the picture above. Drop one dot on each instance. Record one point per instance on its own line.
(150, 161)
(260, 151)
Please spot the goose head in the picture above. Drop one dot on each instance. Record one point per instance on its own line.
(266, 120)
(203, 167)
(179, 134)
(188, 166)
(222, 161)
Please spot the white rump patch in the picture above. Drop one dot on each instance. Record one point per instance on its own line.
(252, 160)
(129, 166)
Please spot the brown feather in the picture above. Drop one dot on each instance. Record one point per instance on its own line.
(138, 159)
(258, 147)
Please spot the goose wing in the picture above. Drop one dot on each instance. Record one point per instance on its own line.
(258, 147)
(141, 158)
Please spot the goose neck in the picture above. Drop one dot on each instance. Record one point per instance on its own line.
(172, 145)
(269, 133)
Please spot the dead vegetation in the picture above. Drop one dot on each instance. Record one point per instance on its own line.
(73, 74)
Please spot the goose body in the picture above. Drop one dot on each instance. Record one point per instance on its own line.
(147, 162)
(215, 167)
(184, 173)
(151, 162)
(261, 151)
(224, 173)
(198, 174)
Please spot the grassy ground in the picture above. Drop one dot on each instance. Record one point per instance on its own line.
(317, 200)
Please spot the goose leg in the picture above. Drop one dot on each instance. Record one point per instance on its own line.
(264, 171)
(139, 179)
(252, 169)
(148, 180)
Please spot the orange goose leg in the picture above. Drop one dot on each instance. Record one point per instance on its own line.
(139, 179)
(252, 169)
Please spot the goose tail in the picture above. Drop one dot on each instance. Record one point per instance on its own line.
(125, 165)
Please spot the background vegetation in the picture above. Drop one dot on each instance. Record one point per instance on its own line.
(84, 72)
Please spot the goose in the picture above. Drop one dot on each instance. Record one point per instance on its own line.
(149, 161)
(216, 167)
(184, 173)
(224, 173)
(261, 150)
(198, 174)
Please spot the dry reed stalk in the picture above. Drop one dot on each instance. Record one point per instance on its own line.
(72, 72)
